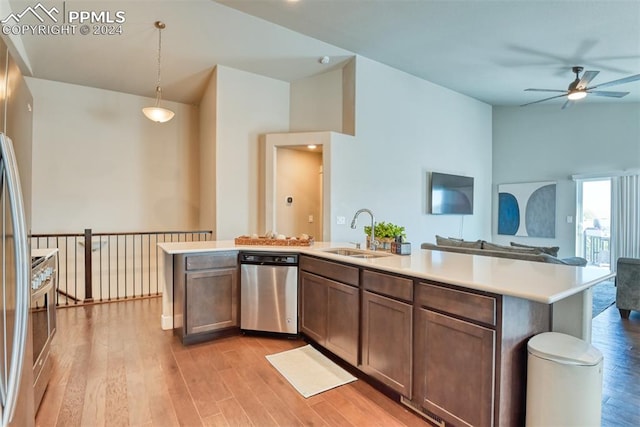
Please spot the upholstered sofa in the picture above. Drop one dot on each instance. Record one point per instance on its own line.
(515, 251)
(628, 286)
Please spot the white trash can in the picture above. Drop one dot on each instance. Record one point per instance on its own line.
(564, 381)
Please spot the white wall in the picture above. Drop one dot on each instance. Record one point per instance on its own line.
(298, 176)
(94, 153)
(99, 163)
(405, 128)
(545, 143)
(316, 103)
(247, 106)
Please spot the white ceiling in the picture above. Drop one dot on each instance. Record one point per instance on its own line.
(489, 50)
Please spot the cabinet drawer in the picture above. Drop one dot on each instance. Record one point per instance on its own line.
(212, 260)
(464, 304)
(386, 284)
(332, 270)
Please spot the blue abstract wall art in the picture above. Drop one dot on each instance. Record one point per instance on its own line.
(527, 209)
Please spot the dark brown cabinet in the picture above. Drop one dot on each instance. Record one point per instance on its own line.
(386, 341)
(206, 295)
(313, 306)
(455, 355)
(387, 330)
(343, 314)
(454, 369)
(330, 306)
(211, 300)
(470, 354)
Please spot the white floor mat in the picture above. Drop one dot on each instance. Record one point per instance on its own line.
(309, 371)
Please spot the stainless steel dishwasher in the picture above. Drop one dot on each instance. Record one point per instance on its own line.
(269, 292)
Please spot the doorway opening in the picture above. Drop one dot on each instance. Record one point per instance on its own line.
(299, 191)
(297, 188)
(594, 221)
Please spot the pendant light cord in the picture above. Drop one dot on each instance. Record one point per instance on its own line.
(160, 26)
(157, 113)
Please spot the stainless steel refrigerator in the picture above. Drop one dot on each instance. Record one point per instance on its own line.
(16, 380)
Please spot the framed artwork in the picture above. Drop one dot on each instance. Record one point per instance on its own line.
(527, 209)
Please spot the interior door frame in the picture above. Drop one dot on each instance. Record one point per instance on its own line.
(270, 144)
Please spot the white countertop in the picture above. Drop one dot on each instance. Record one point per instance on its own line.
(44, 252)
(535, 281)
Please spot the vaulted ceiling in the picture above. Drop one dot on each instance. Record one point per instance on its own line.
(489, 50)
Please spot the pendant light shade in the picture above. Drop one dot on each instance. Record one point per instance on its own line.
(157, 113)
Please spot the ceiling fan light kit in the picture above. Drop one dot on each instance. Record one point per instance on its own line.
(579, 88)
(576, 95)
(157, 113)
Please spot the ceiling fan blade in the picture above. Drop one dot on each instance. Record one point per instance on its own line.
(608, 93)
(542, 100)
(544, 90)
(567, 104)
(586, 79)
(617, 82)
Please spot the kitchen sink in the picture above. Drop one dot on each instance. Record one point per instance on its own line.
(356, 253)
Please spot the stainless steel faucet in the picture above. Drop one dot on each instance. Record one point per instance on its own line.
(373, 243)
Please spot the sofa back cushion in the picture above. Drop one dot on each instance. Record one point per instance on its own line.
(444, 241)
(495, 247)
(549, 250)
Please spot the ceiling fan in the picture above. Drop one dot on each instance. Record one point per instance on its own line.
(578, 89)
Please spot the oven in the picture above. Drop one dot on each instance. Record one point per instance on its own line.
(43, 320)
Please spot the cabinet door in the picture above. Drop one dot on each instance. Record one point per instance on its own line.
(387, 337)
(454, 374)
(313, 307)
(343, 315)
(211, 300)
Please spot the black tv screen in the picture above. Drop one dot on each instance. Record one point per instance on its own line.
(451, 194)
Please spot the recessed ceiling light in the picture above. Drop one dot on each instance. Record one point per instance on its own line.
(312, 146)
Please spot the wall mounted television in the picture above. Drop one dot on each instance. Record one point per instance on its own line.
(451, 194)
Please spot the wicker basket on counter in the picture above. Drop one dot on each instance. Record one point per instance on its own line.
(264, 241)
(384, 243)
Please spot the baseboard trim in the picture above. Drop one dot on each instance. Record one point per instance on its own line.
(166, 322)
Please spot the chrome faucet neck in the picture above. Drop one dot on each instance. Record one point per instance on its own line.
(373, 243)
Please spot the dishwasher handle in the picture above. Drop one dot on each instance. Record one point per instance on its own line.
(268, 259)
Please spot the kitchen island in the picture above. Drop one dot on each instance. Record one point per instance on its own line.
(444, 332)
(566, 288)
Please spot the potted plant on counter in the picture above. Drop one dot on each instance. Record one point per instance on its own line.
(385, 234)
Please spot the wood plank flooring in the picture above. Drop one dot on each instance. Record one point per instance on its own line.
(116, 367)
(619, 341)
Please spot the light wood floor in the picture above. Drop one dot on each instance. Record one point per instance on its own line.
(115, 367)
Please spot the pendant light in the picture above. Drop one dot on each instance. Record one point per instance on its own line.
(157, 113)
